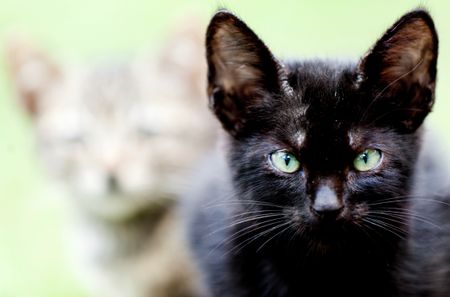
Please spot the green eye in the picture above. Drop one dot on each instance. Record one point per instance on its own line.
(367, 160)
(284, 161)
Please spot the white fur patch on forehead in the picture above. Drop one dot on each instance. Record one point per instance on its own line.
(299, 138)
(351, 138)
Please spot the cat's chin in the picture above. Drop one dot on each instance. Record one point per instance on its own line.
(322, 247)
(322, 242)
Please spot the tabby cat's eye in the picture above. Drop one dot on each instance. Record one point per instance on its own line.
(73, 138)
(284, 161)
(367, 160)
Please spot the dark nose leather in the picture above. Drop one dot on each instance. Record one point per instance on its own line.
(326, 203)
(112, 183)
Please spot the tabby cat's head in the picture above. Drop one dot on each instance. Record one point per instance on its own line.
(119, 134)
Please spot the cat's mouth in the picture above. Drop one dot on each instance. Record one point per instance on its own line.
(330, 230)
(321, 225)
(327, 236)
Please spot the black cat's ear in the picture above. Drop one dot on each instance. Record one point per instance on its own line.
(400, 71)
(241, 71)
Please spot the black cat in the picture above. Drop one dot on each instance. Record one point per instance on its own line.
(325, 190)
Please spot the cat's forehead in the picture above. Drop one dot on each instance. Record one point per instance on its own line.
(104, 95)
(122, 86)
(328, 102)
(107, 90)
(325, 91)
(110, 86)
(320, 81)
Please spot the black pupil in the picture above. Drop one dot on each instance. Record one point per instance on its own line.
(365, 157)
(287, 159)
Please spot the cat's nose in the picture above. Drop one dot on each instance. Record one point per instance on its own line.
(326, 203)
(112, 183)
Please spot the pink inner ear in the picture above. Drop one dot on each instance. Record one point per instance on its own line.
(400, 71)
(409, 55)
(32, 72)
(241, 70)
(234, 61)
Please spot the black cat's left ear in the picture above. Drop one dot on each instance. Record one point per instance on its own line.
(400, 70)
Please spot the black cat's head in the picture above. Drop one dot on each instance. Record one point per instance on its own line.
(328, 146)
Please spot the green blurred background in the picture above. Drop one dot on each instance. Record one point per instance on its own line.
(32, 214)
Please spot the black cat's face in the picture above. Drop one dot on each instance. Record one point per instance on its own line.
(325, 146)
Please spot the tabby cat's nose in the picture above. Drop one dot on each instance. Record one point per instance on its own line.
(112, 183)
(326, 202)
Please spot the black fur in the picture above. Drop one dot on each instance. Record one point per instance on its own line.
(253, 230)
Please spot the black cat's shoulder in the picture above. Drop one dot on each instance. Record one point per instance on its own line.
(205, 211)
(425, 269)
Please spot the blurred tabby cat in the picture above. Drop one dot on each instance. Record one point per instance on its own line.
(121, 136)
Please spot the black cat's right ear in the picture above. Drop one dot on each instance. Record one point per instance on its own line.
(241, 70)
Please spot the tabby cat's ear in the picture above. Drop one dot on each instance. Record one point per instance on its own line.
(32, 71)
(400, 71)
(241, 71)
(182, 56)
